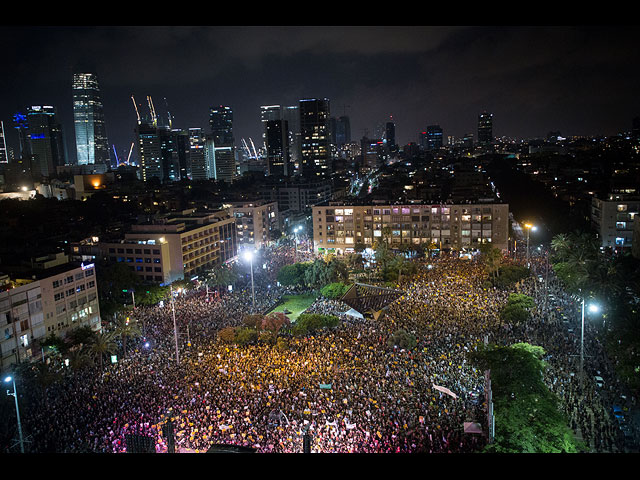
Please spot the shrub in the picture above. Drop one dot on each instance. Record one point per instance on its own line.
(402, 339)
(334, 290)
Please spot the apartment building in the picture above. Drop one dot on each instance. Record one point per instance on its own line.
(338, 227)
(613, 219)
(256, 222)
(52, 300)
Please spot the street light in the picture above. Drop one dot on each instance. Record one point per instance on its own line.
(593, 308)
(248, 255)
(175, 328)
(529, 227)
(295, 251)
(15, 396)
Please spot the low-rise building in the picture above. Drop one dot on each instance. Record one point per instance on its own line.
(338, 227)
(53, 300)
(256, 222)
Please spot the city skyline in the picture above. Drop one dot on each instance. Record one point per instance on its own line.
(576, 80)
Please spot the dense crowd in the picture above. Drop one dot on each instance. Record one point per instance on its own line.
(347, 387)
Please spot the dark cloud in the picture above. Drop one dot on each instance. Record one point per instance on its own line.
(579, 80)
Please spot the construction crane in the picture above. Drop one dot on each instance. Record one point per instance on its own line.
(130, 150)
(136, 107)
(154, 118)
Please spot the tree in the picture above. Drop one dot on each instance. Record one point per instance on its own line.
(103, 344)
(334, 290)
(293, 275)
(527, 416)
(125, 328)
(403, 339)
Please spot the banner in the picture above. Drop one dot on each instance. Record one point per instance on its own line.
(444, 390)
(472, 427)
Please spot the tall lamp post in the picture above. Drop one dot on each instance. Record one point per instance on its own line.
(15, 396)
(295, 234)
(529, 227)
(248, 255)
(593, 309)
(175, 327)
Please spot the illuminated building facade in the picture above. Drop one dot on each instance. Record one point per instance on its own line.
(338, 226)
(92, 145)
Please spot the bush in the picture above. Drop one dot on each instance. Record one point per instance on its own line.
(312, 322)
(403, 339)
(509, 275)
(517, 308)
(334, 290)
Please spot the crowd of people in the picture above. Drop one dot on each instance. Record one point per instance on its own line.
(346, 387)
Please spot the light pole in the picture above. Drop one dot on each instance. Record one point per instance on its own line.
(529, 227)
(175, 328)
(593, 309)
(248, 255)
(295, 240)
(15, 396)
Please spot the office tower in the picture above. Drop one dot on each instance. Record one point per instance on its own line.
(467, 140)
(390, 136)
(150, 150)
(169, 150)
(225, 163)
(22, 128)
(314, 136)
(343, 131)
(292, 115)
(485, 128)
(46, 141)
(277, 143)
(197, 155)
(434, 137)
(92, 145)
(268, 113)
(182, 147)
(221, 123)
(4, 153)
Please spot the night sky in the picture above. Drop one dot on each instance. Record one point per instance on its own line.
(576, 80)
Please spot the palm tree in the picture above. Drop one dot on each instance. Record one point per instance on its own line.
(103, 344)
(561, 246)
(126, 328)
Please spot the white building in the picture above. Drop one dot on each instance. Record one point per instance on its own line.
(613, 219)
(57, 300)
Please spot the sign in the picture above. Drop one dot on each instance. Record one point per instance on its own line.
(444, 390)
(326, 386)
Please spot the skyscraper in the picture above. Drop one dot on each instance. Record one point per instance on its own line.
(277, 143)
(390, 136)
(46, 142)
(221, 123)
(149, 145)
(434, 137)
(92, 145)
(343, 130)
(485, 128)
(315, 136)
(4, 153)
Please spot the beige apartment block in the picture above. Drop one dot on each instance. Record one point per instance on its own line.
(338, 227)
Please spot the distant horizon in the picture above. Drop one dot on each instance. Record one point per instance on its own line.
(578, 80)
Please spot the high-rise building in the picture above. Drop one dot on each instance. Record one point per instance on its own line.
(485, 128)
(197, 155)
(150, 151)
(343, 130)
(221, 123)
(292, 115)
(315, 136)
(390, 136)
(4, 153)
(277, 144)
(46, 141)
(434, 137)
(92, 145)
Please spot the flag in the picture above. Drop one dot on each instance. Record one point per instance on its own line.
(444, 390)
(472, 427)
